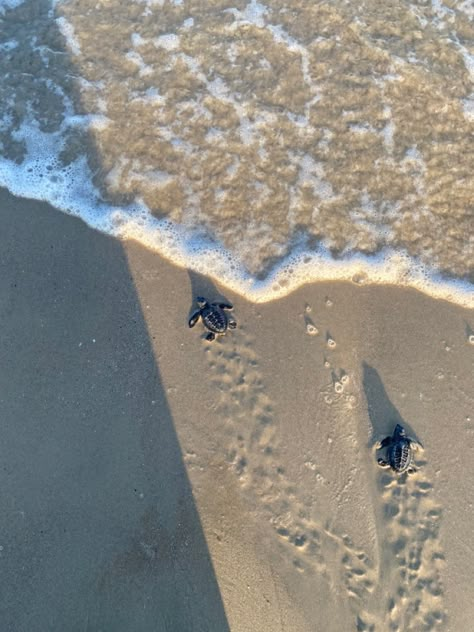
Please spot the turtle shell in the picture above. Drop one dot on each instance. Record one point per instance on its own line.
(400, 455)
(214, 319)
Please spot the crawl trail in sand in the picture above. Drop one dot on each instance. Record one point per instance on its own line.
(399, 590)
(254, 453)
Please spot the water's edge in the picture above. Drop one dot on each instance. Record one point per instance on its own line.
(299, 268)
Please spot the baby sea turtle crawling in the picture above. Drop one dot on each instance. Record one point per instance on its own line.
(399, 455)
(213, 316)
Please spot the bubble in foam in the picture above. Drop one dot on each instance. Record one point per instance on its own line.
(360, 278)
(117, 219)
(41, 176)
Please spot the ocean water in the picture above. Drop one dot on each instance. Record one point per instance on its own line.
(267, 144)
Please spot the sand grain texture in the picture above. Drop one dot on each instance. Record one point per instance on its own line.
(154, 481)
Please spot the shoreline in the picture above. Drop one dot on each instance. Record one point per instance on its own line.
(297, 269)
(356, 170)
(151, 477)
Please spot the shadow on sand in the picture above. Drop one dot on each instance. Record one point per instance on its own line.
(383, 414)
(100, 530)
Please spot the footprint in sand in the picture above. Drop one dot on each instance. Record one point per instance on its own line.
(310, 326)
(410, 542)
(338, 393)
(409, 593)
(245, 409)
(252, 452)
(412, 521)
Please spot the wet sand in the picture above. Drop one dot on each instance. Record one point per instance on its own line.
(154, 481)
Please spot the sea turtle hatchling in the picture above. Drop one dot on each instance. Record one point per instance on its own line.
(399, 455)
(213, 316)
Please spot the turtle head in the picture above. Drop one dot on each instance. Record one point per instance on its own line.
(201, 301)
(399, 431)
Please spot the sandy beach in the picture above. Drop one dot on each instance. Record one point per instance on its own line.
(152, 481)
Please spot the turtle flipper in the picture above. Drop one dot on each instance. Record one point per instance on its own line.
(226, 305)
(210, 336)
(383, 463)
(194, 318)
(416, 445)
(384, 443)
(232, 324)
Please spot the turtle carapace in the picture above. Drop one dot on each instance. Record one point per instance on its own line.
(213, 316)
(399, 451)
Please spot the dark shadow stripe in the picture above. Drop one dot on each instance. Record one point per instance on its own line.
(99, 527)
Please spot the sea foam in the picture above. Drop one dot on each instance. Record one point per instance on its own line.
(70, 189)
(263, 147)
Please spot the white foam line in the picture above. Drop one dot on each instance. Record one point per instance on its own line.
(7, 46)
(67, 31)
(70, 189)
(137, 59)
(169, 42)
(466, 7)
(39, 177)
(440, 9)
(468, 60)
(282, 37)
(219, 90)
(304, 267)
(388, 130)
(254, 13)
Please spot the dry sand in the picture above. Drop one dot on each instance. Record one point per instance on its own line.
(152, 481)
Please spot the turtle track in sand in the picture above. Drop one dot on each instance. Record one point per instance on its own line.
(412, 591)
(412, 520)
(358, 571)
(253, 454)
(409, 594)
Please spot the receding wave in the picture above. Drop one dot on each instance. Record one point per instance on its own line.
(267, 145)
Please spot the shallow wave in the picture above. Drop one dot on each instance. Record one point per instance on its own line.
(264, 145)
